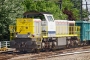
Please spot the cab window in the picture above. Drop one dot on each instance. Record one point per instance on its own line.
(50, 18)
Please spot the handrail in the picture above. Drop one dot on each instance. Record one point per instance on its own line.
(60, 31)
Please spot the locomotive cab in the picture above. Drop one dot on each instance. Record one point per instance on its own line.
(47, 21)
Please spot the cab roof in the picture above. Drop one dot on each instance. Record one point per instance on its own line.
(35, 13)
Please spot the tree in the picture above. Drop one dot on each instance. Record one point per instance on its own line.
(53, 7)
(77, 5)
(9, 11)
(46, 6)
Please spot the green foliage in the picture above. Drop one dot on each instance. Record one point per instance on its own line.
(52, 6)
(77, 5)
(76, 13)
(85, 13)
(9, 11)
(46, 6)
(67, 4)
(70, 6)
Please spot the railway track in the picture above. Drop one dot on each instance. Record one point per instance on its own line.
(5, 56)
(65, 52)
(43, 55)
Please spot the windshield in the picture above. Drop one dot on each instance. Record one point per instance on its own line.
(49, 18)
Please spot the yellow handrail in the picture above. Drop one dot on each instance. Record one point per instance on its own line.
(61, 31)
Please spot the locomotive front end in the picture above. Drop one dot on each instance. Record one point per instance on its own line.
(25, 34)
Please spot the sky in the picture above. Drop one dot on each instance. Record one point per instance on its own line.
(84, 6)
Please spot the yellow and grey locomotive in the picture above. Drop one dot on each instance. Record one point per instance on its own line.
(39, 30)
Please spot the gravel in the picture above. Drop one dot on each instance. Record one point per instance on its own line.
(83, 56)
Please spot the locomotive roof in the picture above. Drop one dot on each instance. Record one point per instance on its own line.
(35, 13)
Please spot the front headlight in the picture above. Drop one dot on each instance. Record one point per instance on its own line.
(16, 36)
(28, 35)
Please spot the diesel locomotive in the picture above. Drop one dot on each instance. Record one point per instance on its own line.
(39, 31)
